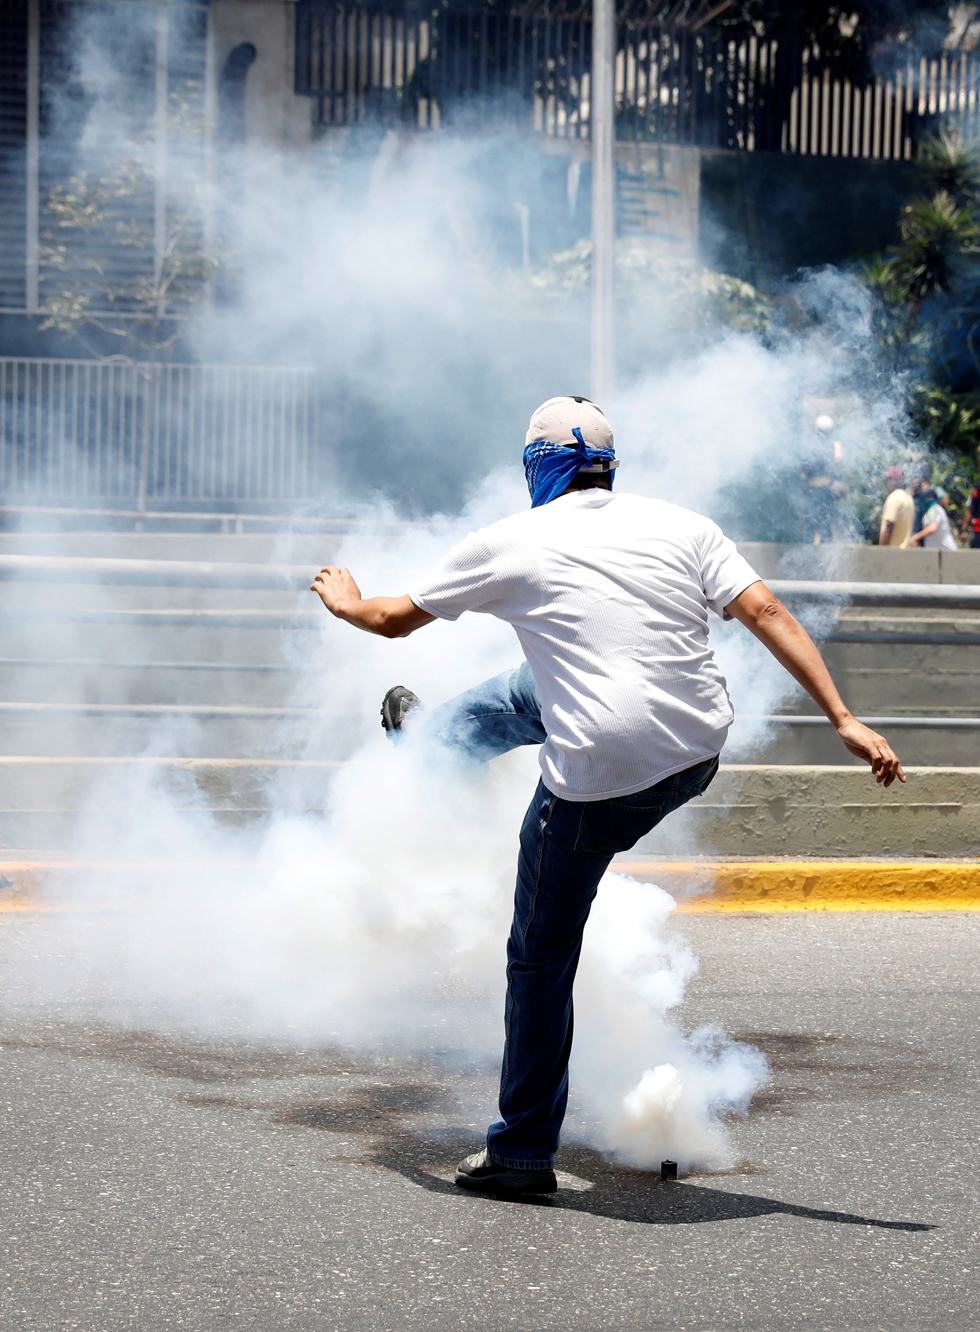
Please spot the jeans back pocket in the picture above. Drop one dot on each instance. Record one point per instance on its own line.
(607, 827)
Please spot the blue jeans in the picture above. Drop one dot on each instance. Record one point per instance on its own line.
(566, 847)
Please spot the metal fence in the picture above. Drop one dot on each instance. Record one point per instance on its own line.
(424, 68)
(92, 430)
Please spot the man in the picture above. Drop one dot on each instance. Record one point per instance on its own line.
(971, 518)
(898, 514)
(823, 486)
(609, 595)
(935, 532)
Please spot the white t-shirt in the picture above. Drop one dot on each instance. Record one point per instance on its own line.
(609, 595)
(942, 538)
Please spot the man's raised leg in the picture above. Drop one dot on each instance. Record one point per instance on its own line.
(490, 719)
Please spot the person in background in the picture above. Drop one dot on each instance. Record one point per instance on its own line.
(898, 514)
(823, 486)
(923, 495)
(971, 519)
(935, 532)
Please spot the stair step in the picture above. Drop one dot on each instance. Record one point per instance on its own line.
(749, 809)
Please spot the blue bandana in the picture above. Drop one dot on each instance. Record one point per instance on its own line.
(549, 468)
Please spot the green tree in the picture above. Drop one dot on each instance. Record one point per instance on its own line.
(927, 312)
(115, 271)
(124, 269)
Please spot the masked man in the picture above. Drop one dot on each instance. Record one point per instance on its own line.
(609, 595)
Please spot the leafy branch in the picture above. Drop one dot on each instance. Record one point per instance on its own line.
(104, 281)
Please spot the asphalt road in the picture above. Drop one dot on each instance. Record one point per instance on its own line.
(151, 1183)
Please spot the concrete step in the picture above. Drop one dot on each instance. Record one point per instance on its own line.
(73, 681)
(160, 636)
(108, 648)
(86, 597)
(797, 810)
(908, 662)
(749, 810)
(919, 741)
(258, 548)
(770, 559)
(46, 801)
(235, 548)
(202, 731)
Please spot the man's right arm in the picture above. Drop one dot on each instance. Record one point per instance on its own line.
(767, 618)
(390, 617)
(886, 534)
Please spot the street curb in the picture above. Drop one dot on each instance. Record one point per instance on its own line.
(32, 885)
(697, 886)
(813, 885)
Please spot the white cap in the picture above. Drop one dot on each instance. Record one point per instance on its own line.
(555, 419)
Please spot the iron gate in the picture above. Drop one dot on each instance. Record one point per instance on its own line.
(75, 430)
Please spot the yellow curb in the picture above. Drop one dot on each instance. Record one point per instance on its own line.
(20, 886)
(23, 882)
(814, 885)
(698, 886)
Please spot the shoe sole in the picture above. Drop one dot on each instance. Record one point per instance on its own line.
(491, 1185)
(387, 721)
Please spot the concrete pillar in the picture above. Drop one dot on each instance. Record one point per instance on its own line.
(274, 116)
(160, 116)
(602, 120)
(33, 200)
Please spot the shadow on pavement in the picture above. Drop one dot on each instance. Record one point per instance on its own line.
(376, 1112)
(619, 1193)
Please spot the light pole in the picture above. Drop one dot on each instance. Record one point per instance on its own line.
(602, 120)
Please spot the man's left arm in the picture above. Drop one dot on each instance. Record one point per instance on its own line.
(767, 618)
(391, 617)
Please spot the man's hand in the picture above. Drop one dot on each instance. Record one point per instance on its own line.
(866, 744)
(335, 587)
(391, 617)
(765, 616)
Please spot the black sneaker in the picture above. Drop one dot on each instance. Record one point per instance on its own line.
(395, 707)
(479, 1171)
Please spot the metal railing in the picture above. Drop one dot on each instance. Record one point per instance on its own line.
(400, 64)
(296, 577)
(76, 430)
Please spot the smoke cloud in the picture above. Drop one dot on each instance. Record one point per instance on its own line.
(376, 917)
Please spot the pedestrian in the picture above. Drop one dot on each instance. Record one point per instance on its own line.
(609, 595)
(823, 487)
(971, 518)
(923, 494)
(898, 513)
(935, 532)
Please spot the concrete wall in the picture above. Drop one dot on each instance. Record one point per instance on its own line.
(765, 215)
(869, 564)
(274, 115)
(783, 810)
(862, 564)
(751, 811)
(658, 196)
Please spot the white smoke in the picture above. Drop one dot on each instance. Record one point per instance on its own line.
(382, 926)
(381, 920)
(381, 923)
